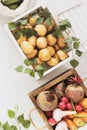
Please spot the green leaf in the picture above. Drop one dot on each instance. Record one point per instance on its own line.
(64, 24)
(78, 53)
(66, 49)
(39, 20)
(0, 123)
(17, 34)
(23, 21)
(11, 113)
(39, 68)
(48, 21)
(74, 63)
(30, 62)
(21, 118)
(19, 68)
(12, 26)
(29, 71)
(29, 32)
(57, 32)
(13, 127)
(75, 39)
(6, 126)
(26, 123)
(44, 13)
(76, 45)
(40, 73)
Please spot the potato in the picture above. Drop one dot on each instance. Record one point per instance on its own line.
(41, 29)
(32, 21)
(32, 40)
(74, 92)
(44, 54)
(56, 47)
(47, 101)
(61, 42)
(21, 39)
(26, 47)
(52, 62)
(33, 54)
(57, 57)
(51, 40)
(62, 55)
(41, 42)
(52, 50)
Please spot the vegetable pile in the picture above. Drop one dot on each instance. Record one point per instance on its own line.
(65, 104)
(12, 4)
(41, 39)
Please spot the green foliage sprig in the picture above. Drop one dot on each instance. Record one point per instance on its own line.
(20, 121)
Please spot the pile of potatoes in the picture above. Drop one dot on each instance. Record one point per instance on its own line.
(44, 48)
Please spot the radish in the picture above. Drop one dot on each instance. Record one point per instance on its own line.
(59, 114)
(52, 122)
(62, 105)
(78, 108)
(64, 99)
(61, 126)
(69, 106)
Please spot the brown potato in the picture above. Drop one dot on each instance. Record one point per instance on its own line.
(57, 57)
(21, 39)
(32, 55)
(26, 47)
(32, 21)
(32, 40)
(56, 47)
(51, 40)
(44, 54)
(62, 55)
(61, 42)
(52, 50)
(41, 42)
(52, 62)
(41, 29)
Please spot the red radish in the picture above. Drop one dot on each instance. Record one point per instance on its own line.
(62, 105)
(49, 114)
(61, 126)
(64, 99)
(59, 114)
(78, 108)
(52, 122)
(69, 106)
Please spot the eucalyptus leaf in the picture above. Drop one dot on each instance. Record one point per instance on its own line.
(17, 35)
(48, 21)
(45, 13)
(78, 53)
(28, 32)
(30, 72)
(21, 118)
(40, 73)
(6, 126)
(39, 68)
(75, 39)
(23, 21)
(39, 20)
(63, 24)
(19, 68)
(12, 26)
(0, 123)
(26, 123)
(13, 127)
(57, 32)
(11, 113)
(76, 45)
(30, 61)
(74, 63)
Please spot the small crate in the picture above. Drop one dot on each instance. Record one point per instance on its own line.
(48, 86)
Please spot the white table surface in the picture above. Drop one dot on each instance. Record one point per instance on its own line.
(14, 87)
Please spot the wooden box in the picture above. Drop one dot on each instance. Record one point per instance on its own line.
(49, 85)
